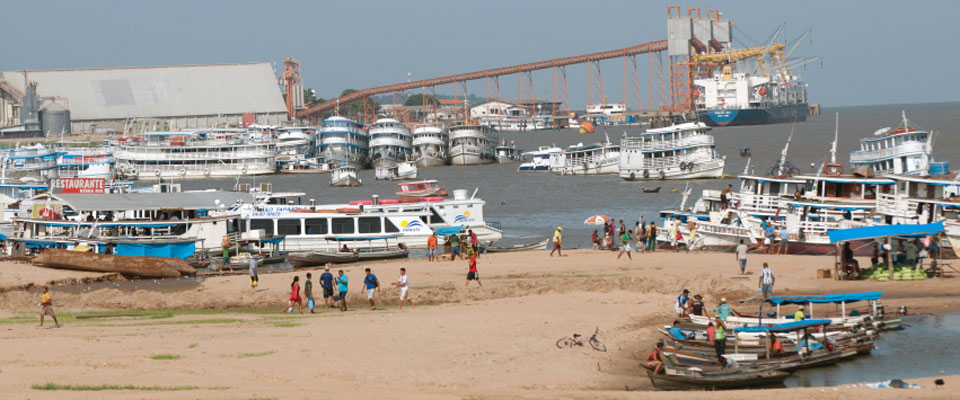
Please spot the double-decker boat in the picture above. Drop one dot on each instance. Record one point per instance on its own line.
(390, 143)
(539, 159)
(903, 150)
(75, 161)
(193, 155)
(430, 145)
(343, 141)
(683, 151)
(590, 159)
(472, 144)
(296, 148)
(33, 161)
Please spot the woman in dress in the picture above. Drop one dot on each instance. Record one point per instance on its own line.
(295, 296)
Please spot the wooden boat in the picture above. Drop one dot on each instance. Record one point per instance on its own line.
(427, 188)
(312, 259)
(790, 361)
(382, 254)
(540, 245)
(675, 378)
(135, 266)
(652, 190)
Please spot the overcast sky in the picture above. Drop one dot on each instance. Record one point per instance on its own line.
(880, 52)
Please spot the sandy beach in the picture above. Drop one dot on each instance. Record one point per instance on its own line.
(220, 339)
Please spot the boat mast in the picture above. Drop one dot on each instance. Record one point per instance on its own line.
(833, 149)
(786, 148)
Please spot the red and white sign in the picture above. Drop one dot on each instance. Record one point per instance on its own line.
(82, 185)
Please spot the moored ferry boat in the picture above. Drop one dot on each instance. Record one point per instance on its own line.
(85, 162)
(192, 155)
(390, 143)
(296, 148)
(903, 150)
(402, 170)
(34, 161)
(343, 141)
(472, 144)
(539, 159)
(683, 151)
(590, 159)
(345, 175)
(430, 145)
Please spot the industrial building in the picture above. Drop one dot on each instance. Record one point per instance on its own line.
(152, 98)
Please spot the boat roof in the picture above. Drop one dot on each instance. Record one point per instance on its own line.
(417, 182)
(848, 179)
(892, 133)
(772, 179)
(687, 126)
(938, 180)
(147, 201)
(825, 298)
(840, 205)
(882, 231)
(785, 327)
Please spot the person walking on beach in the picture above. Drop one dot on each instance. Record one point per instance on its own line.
(372, 285)
(719, 338)
(308, 293)
(557, 241)
(254, 277)
(46, 307)
(742, 257)
(432, 247)
(680, 306)
(625, 241)
(652, 237)
(454, 247)
(403, 285)
(226, 244)
(472, 274)
(767, 279)
(295, 298)
(642, 238)
(623, 229)
(474, 242)
(326, 281)
(672, 235)
(784, 240)
(342, 282)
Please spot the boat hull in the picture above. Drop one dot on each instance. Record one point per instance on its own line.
(427, 161)
(754, 116)
(138, 266)
(728, 381)
(708, 170)
(315, 259)
(469, 159)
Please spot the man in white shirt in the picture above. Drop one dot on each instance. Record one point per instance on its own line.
(742, 257)
(402, 284)
(767, 278)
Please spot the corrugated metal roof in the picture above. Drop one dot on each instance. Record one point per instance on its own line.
(164, 91)
(151, 201)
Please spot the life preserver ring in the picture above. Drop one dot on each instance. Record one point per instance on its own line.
(156, 172)
(690, 165)
(683, 165)
(206, 172)
(832, 169)
(662, 175)
(646, 174)
(856, 190)
(182, 172)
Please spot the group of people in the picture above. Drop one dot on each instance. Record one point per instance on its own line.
(775, 241)
(457, 245)
(643, 238)
(332, 298)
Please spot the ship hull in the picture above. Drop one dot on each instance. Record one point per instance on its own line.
(754, 116)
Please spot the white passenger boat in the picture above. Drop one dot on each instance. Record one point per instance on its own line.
(923, 200)
(390, 143)
(472, 144)
(591, 159)
(683, 151)
(343, 141)
(297, 148)
(345, 175)
(74, 161)
(904, 150)
(308, 227)
(539, 159)
(516, 124)
(192, 155)
(402, 170)
(430, 145)
(32, 161)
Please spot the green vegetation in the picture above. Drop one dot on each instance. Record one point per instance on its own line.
(418, 100)
(178, 322)
(286, 324)
(248, 355)
(97, 388)
(165, 357)
(192, 345)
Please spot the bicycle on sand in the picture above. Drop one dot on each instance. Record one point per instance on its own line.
(577, 340)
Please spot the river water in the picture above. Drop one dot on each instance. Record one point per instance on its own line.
(531, 205)
(923, 349)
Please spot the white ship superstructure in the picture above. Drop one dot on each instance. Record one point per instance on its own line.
(343, 141)
(589, 159)
(74, 161)
(472, 144)
(192, 155)
(904, 150)
(684, 151)
(430, 145)
(390, 143)
(296, 147)
(540, 159)
(34, 161)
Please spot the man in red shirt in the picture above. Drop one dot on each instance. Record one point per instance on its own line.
(431, 247)
(654, 361)
(472, 274)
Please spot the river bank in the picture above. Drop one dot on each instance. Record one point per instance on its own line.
(495, 342)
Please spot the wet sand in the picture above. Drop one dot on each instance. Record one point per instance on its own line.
(497, 342)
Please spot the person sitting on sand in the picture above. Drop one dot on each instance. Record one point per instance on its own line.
(655, 360)
(46, 307)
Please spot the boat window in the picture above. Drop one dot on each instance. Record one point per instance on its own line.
(342, 225)
(265, 224)
(368, 224)
(288, 226)
(233, 226)
(389, 226)
(316, 226)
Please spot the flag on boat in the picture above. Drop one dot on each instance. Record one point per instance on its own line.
(597, 220)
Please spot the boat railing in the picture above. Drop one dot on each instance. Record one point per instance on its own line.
(493, 224)
(595, 160)
(756, 203)
(817, 227)
(863, 156)
(199, 155)
(653, 144)
(896, 206)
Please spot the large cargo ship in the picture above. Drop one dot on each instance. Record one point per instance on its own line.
(732, 99)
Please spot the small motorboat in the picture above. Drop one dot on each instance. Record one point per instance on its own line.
(652, 190)
(427, 188)
(369, 252)
(345, 176)
(679, 378)
(403, 170)
(315, 258)
(540, 245)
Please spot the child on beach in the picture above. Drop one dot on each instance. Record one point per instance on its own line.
(472, 274)
(46, 307)
(404, 288)
(308, 292)
(295, 296)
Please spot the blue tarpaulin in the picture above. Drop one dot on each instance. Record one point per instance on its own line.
(880, 231)
(180, 250)
(449, 230)
(3, 238)
(787, 327)
(826, 298)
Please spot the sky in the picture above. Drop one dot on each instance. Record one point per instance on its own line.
(878, 52)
